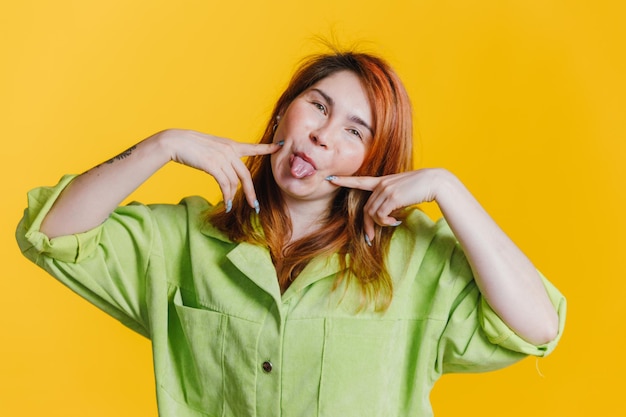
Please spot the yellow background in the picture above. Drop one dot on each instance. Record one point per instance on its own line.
(524, 100)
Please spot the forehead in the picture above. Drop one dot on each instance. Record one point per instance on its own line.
(346, 91)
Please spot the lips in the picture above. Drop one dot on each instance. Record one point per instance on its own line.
(301, 166)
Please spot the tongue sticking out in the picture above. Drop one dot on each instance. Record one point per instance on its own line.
(301, 168)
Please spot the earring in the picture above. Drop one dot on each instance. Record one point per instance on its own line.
(276, 123)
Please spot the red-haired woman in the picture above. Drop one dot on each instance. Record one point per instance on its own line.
(315, 289)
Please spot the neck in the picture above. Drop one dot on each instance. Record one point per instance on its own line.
(305, 216)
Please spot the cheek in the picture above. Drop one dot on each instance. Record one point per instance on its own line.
(275, 160)
(295, 117)
(352, 159)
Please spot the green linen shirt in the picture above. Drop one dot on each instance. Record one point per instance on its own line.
(227, 343)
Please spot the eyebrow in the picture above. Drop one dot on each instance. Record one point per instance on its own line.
(354, 118)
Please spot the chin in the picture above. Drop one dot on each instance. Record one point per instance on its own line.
(305, 190)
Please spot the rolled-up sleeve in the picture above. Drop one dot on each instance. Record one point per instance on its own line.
(475, 338)
(71, 248)
(499, 333)
(106, 265)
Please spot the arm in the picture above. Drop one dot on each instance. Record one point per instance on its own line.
(506, 277)
(92, 196)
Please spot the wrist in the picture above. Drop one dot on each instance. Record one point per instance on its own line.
(162, 145)
(445, 185)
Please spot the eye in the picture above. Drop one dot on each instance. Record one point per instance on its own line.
(320, 106)
(355, 133)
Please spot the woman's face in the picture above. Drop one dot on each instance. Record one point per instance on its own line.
(327, 131)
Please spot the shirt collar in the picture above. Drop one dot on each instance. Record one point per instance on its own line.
(255, 262)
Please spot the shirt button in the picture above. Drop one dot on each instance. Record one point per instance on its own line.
(267, 366)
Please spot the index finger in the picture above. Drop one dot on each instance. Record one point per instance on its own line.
(252, 149)
(361, 183)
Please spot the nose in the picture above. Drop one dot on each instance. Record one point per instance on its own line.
(320, 136)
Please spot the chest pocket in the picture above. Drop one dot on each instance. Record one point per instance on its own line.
(203, 360)
(359, 367)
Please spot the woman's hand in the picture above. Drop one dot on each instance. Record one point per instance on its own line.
(219, 157)
(393, 192)
(506, 277)
(91, 197)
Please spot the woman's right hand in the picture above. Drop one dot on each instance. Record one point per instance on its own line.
(219, 157)
(91, 197)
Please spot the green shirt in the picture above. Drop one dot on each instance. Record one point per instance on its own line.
(227, 343)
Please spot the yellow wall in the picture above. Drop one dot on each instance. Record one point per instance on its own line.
(524, 100)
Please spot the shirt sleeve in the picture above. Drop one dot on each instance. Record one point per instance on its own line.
(475, 338)
(106, 265)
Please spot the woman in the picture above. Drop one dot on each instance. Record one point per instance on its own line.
(314, 289)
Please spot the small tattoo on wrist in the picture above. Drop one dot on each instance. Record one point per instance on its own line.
(121, 156)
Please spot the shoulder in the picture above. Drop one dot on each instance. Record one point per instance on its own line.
(188, 207)
(423, 244)
(418, 227)
(169, 220)
(190, 204)
(191, 213)
(428, 267)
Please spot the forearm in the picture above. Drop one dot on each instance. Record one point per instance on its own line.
(92, 196)
(506, 277)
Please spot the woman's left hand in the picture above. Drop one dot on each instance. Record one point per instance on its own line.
(506, 277)
(393, 192)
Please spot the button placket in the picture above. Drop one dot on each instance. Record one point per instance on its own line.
(268, 359)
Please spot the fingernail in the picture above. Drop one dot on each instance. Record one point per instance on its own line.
(229, 206)
(367, 240)
(281, 143)
(398, 223)
(256, 206)
(331, 178)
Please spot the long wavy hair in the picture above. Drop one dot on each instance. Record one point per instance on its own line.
(342, 229)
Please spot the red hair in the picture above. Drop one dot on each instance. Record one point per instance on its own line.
(342, 230)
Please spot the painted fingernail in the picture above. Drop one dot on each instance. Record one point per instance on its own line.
(398, 223)
(229, 206)
(331, 178)
(256, 206)
(367, 240)
(281, 143)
